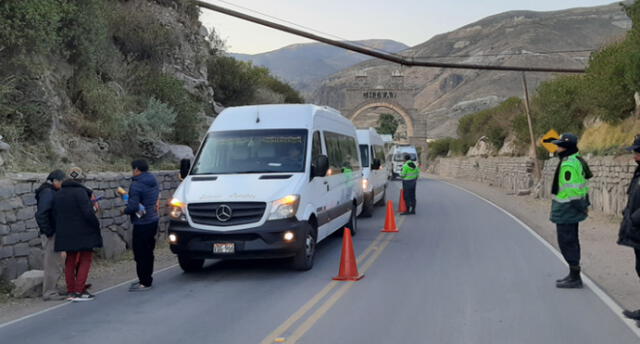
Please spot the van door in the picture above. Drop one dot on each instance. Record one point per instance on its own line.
(379, 175)
(344, 167)
(319, 190)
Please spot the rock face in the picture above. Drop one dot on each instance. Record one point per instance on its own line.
(29, 284)
(513, 38)
(482, 148)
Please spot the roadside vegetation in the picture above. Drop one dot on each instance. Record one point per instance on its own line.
(108, 65)
(598, 105)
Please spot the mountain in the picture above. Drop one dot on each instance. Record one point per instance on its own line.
(516, 38)
(304, 65)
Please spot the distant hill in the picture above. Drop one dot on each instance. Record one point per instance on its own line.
(512, 38)
(304, 65)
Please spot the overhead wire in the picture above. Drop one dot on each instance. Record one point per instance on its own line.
(398, 59)
(304, 27)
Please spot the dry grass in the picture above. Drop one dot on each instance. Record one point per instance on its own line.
(604, 138)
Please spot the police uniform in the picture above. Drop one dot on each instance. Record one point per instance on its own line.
(569, 206)
(410, 174)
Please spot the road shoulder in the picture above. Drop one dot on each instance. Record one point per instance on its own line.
(609, 265)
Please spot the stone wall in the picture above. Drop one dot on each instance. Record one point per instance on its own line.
(611, 176)
(20, 243)
(508, 173)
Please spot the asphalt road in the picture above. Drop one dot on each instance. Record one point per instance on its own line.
(460, 271)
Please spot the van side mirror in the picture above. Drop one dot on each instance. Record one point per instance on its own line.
(185, 167)
(376, 164)
(320, 166)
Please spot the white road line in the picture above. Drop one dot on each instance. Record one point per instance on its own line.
(70, 302)
(611, 303)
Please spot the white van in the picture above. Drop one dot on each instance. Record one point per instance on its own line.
(269, 181)
(396, 157)
(374, 173)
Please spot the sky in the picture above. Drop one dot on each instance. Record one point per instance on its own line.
(408, 21)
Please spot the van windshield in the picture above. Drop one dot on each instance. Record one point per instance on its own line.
(364, 155)
(400, 156)
(252, 151)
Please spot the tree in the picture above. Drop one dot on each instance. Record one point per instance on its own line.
(387, 124)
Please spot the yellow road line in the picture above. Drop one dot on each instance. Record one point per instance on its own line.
(320, 312)
(315, 299)
(326, 306)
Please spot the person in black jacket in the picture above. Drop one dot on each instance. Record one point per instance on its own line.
(52, 263)
(144, 191)
(77, 233)
(630, 228)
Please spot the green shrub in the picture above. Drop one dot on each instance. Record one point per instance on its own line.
(138, 33)
(387, 124)
(494, 123)
(101, 107)
(32, 26)
(171, 91)
(440, 147)
(234, 81)
(156, 122)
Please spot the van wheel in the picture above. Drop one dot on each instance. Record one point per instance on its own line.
(189, 264)
(353, 222)
(303, 260)
(382, 200)
(367, 207)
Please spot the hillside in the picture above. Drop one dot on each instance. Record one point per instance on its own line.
(511, 38)
(304, 65)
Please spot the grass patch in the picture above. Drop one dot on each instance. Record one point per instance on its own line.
(606, 138)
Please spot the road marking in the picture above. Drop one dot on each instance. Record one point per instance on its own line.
(322, 310)
(328, 303)
(66, 303)
(611, 303)
(295, 317)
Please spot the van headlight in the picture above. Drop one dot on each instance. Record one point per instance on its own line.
(176, 210)
(284, 208)
(365, 184)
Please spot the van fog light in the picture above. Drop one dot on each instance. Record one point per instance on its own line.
(173, 238)
(288, 236)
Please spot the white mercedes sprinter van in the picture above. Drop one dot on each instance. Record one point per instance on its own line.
(374, 174)
(269, 181)
(396, 157)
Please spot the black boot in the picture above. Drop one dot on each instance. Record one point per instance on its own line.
(412, 210)
(566, 278)
(574, 281)
(632, 314)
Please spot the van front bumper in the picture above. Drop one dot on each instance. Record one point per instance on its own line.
(266, 241)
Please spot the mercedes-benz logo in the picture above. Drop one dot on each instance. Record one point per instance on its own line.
(223, 213)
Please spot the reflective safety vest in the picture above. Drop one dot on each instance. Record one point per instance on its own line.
(409, 173)
(572, 184)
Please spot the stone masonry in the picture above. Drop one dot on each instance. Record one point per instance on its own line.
(20, 243)
(611, 176)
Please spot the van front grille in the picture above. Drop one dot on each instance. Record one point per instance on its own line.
(241, 213)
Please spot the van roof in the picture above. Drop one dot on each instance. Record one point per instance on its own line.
(369, 136)
(273, 116)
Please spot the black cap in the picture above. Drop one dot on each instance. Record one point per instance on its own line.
(56, 175)
(636, 144)
(407, 157)
(567, 140)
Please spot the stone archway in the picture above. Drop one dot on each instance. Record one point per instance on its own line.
(396, 108)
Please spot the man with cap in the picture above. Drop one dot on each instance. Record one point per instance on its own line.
(629, 234)
(52, 263)
(77, 233)
(409, 174)
(570, 205)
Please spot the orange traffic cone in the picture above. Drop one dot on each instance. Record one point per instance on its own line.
(348, 264)
(390, 221)
(402, 205)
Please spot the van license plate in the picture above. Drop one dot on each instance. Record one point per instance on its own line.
(224, 248)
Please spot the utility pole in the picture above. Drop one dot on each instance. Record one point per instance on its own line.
(537, 173)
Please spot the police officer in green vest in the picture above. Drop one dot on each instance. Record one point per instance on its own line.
(410, 174)
(570, 205)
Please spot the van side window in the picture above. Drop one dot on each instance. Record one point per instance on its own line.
(342, 152)
(379, 154)
(316, 147)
